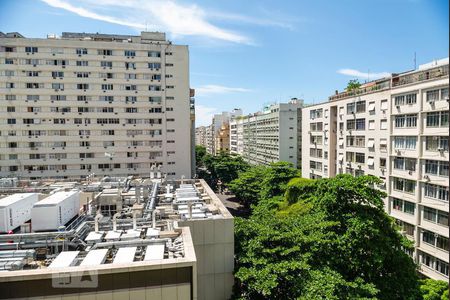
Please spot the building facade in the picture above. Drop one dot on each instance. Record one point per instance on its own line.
(397, 129)
(94, 103)
(200, 136)
(269, 136)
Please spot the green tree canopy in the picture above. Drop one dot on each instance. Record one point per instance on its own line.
(434, 289)
(262, 182)
(353, 85)
(324, 239)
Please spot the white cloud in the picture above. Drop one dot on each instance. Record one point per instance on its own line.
(203, 115)
(365, 75)
(163, 15)
(218, 89)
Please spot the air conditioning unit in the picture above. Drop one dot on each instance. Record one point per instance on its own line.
(410, 172)
(440, 149)
(397, 106)
(426, 177)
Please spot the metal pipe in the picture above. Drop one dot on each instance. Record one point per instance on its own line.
(114, 221)
(154, 218)
(97, 219)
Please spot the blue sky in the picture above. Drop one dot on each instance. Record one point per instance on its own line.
(245, 54)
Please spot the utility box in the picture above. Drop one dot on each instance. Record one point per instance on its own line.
(55, 211)
(16, 210)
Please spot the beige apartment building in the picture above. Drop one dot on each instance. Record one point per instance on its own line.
(200, 136)
(269, 136)
(397, 129)
(95, 103)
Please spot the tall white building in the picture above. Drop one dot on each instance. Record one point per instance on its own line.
(94, 103)
(397, 129)
(269, 136)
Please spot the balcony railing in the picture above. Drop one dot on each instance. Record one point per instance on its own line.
(424, 75)
(378, 86)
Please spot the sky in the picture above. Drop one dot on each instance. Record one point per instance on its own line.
(247, 54)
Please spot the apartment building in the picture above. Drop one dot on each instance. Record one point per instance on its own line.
(269, 136)
(397, 129)
(216, 134)
(237, 135)
(95, 103)
(200, 136)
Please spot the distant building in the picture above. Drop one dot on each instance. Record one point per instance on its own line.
(200, 136)
(269, 136)
(395, 128)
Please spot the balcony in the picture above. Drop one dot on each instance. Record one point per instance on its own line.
(368, 88)
(424, 75)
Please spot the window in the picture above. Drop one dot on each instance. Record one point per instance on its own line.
(407, 228)
(81, 51)
(360, 124)
(405, 142)
(9, 61)
(13, 97)
(82, 86)
(444, 93)
(129, 53)
(108, 87)
(9, 73)
(360, 158)
(57, 74)
(130, 65)
(435, 240)
(384, 104)
(401, 163)
(360, 106)
(435, 167)
(315, 113)
(436, 143)
(31, 49)
(10, 109)
(382, 162)
(315, 165)
(154, 87)
(316, 126)
(106, 64)
(130, 76)
(82, 74)
(432, 95)
(371, 124)
(154, 65)
(11, 121)
(106, 98)
(403, 205)
(58, 86)
(154, 54)
(404, 185)
(383, 124)
(350, 108)
(407, 121)
(405, 99)
(104, 52)
(435, 216)
(82, 63)
(106, 75)
(436, 192)
(131, 87)
(437, 119)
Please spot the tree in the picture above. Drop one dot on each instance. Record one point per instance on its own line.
(324, 239)
(353, 85)
(200, 153)
(222, 168)
(248, 185)
(262, 182)
(434, 289)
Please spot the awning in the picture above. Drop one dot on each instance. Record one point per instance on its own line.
(370, 162)
(341, 157)
(371, 106)
(341, 142)
(371, 143)
(383, 142)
